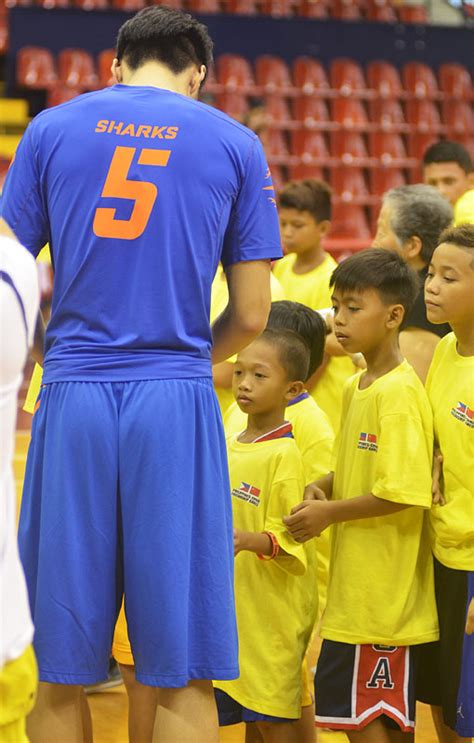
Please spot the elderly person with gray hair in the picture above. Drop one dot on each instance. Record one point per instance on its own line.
(410, 223)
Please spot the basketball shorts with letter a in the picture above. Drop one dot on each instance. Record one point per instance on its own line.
(354, 684)
(127, 491)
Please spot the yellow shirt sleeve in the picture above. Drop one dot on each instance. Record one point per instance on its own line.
(33, 389)
(464, 209)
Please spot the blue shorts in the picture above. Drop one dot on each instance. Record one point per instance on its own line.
(231, 712)
(127, 491)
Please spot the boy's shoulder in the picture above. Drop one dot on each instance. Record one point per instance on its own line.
(399, 391)
(306, 414)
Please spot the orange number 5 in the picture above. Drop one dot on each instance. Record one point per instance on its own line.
(117, 185)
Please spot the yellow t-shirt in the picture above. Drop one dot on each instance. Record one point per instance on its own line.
(219, 299)
(464, 208)
(312, 289)
(33, 389)
(276, 600)
(450, 387)
(381, 586)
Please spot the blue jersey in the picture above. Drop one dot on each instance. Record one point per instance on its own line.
(140, 192)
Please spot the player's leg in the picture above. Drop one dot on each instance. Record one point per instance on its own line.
(69, 548)
(278, 732)
(187, 714)
(445, 734)
(142, 705)
(87, 735)
(374, 732)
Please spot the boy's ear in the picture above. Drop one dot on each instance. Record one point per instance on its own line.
(324, 227)
(396, 313)
(295, 389)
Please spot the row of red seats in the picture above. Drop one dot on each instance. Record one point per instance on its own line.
(350, 10)
(451, 117)
(307, 76)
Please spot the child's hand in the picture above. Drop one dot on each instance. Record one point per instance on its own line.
(470, 618)
(437, 482)
(308, 519)
(312, 492)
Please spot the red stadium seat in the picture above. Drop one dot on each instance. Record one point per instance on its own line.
(349, 148)
(277, 111)
(301, 171)
(380, 10)
(204, 6)
(458, 118)
(347, 77)
(310, 146)
(312, 113)
(383, 179)
(384, 78)
(349, 112)
(276, 147)
(389, 148)
(388, 114)
(104, 63)
(273, 75)
(418, 142)
(313, 9)
(92, 4)
(240, 7)
(346, 10)
(277, 8)
(15, 3)
(424, 116)
(455, 82)
(128, 5)
(235, 73)
(3, 30)
(349, 221)
(419, 80)
(176, 4)
(76, 69)
(277, 177)
(349, 185)
(310, 77)
(412, 14)
(61, 94)
(50, 4)
(234, 104)
(35, 68)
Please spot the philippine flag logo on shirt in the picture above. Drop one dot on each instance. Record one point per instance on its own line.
(464, 414)
(248, 493)
(367, 441)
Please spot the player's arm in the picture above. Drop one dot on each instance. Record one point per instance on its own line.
(246, 314)
(222, 374)
(418, 346)
(309, 518)
(320, 489)
(258, 542)
(37, 350)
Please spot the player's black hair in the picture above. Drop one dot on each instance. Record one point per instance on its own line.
(293, 353)
(304, 321)
(461, 236)
(446, 151)
(378, 269)
(310, 195)
(166, 35)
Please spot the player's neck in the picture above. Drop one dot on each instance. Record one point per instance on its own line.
(381, 360)
(465, 338)
(309, 260)
(155, 75)
(261, 423)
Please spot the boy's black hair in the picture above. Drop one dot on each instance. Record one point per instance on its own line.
(304, 321)
(166, 35)
(446, 151)
(310, 195)
(378, 269)
(293, 353)
(461, 236)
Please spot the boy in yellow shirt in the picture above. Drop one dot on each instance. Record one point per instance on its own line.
(305, 214)
(276, 596)
(446, 677)
(381, 600)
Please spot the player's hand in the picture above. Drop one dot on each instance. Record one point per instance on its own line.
(437, 480)
(470, 618)
(312, 492)
(308, 519)
(238, 541)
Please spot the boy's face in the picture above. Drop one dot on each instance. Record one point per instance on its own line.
(260, 383)
(362, 320)
(449, 286)
(299, 230)
(449, 178)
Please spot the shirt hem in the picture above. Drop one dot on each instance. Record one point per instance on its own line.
(255, 706)
(176, 681)
(351, 639)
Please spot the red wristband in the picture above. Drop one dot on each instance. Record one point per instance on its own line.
(275, 547)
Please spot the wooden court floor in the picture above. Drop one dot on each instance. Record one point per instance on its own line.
(109, 708)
